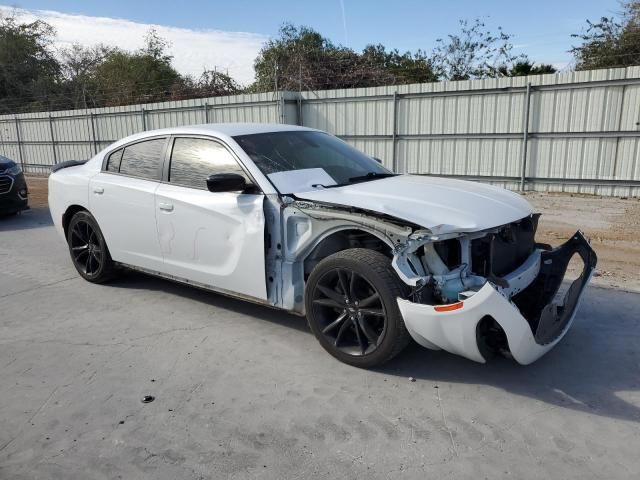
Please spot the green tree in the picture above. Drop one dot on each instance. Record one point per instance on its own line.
(300, 57)
(474, 52)
(143, 76)
(32, 78)
(523, 67)
(405, 67)
(211, 83)
(610, 42)
(29, 71)
(156, 47)
(79, 65)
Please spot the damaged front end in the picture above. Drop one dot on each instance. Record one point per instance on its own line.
(469, 293)
(490, 291)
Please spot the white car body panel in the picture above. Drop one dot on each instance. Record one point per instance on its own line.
(257, 246)
(213, 239)
(68, 187)
(442, 205)
(124, 207)
(455, 331)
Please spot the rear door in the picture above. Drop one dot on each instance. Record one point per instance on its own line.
(216, 239)
(121, 198)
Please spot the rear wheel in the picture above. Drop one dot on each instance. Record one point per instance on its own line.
(352, 309)
(88, 249)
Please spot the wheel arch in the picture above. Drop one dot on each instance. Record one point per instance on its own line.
(343, 238)
(68, 215)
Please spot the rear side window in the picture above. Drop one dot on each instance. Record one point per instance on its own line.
(113, 164)
(194, 159)
(143, 159)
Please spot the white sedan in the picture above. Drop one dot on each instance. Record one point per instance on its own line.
(297, 219)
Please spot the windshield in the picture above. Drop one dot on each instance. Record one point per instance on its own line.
(317, 156)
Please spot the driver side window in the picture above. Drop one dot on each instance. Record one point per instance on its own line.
(194, 159)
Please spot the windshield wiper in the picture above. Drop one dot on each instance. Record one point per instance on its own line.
(371, 176)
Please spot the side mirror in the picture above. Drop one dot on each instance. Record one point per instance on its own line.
(226, 182)
(377, 160)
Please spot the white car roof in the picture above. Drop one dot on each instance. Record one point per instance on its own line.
(232, 129)
(221, 130)
(225, 129)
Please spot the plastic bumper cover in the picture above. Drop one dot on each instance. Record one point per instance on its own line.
(15, 199)
(533, 324)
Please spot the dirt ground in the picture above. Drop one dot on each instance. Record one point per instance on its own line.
(612, 224)
(37, 191)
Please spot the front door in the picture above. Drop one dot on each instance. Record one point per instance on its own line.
(216, 239)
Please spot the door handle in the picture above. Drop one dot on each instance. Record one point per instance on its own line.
(98, 190)
(167, 207)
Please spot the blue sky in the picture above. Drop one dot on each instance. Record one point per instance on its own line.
(541, 28)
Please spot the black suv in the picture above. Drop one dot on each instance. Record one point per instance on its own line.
(13, 187)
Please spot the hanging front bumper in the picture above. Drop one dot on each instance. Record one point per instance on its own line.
(531, 320)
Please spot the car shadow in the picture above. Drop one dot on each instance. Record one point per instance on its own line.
(37, 217)
(135, 280)
(590, 370)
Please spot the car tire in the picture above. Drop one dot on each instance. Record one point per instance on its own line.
(88, 249)
(363, 327)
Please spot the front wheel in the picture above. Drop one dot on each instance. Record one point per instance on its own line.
(351, 306)
(88, 249)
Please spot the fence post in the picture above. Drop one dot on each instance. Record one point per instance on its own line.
(206, 112)
(53, 140)
(525, 138)
(300, 122)
(394, 135)
(615, 152)
(143, 112)
(19, 142)
(281, 106)
(93, 133)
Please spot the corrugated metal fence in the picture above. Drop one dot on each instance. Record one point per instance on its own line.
(39, 141)
(576, 132)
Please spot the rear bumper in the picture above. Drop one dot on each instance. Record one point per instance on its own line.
(532, 323)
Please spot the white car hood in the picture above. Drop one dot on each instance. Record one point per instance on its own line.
(440, 204)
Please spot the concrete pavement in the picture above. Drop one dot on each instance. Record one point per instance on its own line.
(244, 391)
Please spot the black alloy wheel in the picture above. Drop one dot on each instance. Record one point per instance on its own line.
(349, 311)
(88, 249)
(351, 306)
(85, 248)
